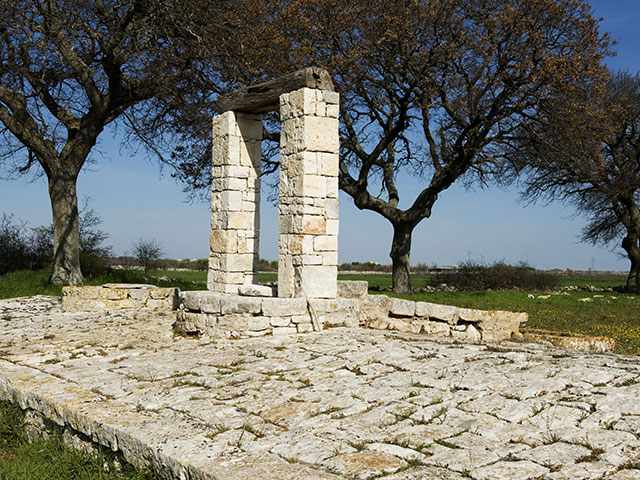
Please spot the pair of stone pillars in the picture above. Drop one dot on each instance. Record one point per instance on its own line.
(308, 208)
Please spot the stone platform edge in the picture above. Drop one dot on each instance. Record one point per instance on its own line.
(118, 296)
(229, 316)
(55, 405)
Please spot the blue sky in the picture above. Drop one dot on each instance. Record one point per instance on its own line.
(136, 200)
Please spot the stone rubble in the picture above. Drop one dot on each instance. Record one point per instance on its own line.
(339, 404)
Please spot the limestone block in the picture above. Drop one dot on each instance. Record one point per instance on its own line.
(331, 208)
(236, 171)
(401, 307)
(300, 319)
(277, 307)
(240, 221)
(439, 329)
(330, 97)
(498, 326)
(323, 243)
(247, 244)
(301, 102)
(224, 124)
(299, 244)
(286, 277)
(308, 260)
(314, 225)
(233, 322)
(256, 290)
(400, 325)
(280, 321)
(257, 323)
(470, 334)
(304, 327)
(319, 281)
(330, 305)
(321, 134)
(331, 187)
(190, 300)
(230, 183)
(240, 262)
(238, 304)
(223, 241)
(332, 227)
(332, 111)
(231, 200)
(310, 186)
(329, 258)
(375, 309)
(210, 302)
(445, 313)
(352, 289)
(285, 330)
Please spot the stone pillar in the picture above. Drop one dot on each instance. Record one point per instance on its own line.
(308, 210)
(235, 201)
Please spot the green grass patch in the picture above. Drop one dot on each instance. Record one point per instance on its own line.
(52, 459)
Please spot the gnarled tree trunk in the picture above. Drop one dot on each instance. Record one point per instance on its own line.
(66, 236)
(400, 257)
(632, 247)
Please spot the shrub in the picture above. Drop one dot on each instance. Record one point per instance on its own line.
(147, 252)
(18, 249)
(499, 276)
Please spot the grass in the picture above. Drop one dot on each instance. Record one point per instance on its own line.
(52, 459)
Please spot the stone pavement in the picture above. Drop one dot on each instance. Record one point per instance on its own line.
(342, 403)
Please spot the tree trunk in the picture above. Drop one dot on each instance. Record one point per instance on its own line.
(66, 237)
(631, 246)
(400, 258)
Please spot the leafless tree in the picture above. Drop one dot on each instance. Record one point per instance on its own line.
(437, 89)
(69, 68)
(593, 163)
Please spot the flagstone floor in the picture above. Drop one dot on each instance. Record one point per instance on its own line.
(337, 404)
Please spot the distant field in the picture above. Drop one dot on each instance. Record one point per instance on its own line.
(617, 317)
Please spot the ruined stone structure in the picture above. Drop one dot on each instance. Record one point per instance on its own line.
(308, 295)
(308, 210)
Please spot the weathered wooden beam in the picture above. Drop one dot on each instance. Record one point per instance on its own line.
(264, 97)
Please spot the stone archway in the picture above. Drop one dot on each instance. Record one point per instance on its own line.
(308, 200)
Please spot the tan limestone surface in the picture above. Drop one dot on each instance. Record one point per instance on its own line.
(337, 404)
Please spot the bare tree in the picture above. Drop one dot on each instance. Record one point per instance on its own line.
(147, 252)
(69, 68)
(593, 163)
(437, 88)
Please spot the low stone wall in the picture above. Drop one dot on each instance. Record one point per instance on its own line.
(112, 295)
(225, 315)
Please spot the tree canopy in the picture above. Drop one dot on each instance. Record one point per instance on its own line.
(593, 163)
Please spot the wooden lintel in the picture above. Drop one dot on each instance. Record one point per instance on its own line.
(264, 97)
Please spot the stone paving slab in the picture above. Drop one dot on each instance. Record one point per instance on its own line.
(338, 404)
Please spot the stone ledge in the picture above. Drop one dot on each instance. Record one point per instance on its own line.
(118, 296)
(381, 312)
(231, 316)
(569, 341)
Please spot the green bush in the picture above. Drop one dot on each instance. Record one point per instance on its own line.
(499, 276)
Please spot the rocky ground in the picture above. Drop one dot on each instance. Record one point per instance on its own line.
(342, 403)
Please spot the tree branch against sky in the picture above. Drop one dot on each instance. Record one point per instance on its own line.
(437, 88)
(593, 163)
(69, 68)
